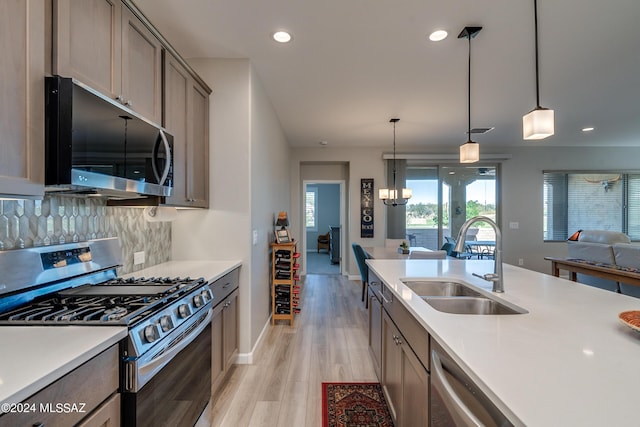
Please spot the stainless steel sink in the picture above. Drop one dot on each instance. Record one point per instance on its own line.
(471, 305)
(440, 288)
(459, 298)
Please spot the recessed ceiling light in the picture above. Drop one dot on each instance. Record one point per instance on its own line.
(438, 35)
(323, 143)
(588, 129)
(282, 37)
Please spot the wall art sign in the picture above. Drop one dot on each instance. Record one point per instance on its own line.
(366, 207)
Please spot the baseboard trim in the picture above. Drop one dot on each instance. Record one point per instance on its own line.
(353, 277)
(247, 358)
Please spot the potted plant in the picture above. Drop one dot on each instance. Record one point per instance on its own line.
(404, 248)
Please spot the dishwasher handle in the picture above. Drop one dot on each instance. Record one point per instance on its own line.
(450, 398)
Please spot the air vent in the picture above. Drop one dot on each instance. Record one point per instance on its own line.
(480, 130)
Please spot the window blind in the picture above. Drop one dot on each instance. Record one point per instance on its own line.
(590, 201)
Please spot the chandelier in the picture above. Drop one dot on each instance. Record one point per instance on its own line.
(389, 196)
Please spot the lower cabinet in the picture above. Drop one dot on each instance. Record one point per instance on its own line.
(87, 396)
(375, 330)
(414, 409)
(391, 366)
(405, 381)
(107, 415)
(230, 325)
(224, 327)
(399, 345)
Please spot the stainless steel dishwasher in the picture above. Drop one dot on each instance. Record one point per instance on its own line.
(455, 400)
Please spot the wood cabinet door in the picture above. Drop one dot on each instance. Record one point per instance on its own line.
(198, 147)
(217, 348)
(391, 366)
(230, 329)
(415, 391)
(375, 332)
(107, 414)
(141, 68)
(22, 66)
(177, 82)
(87, 43)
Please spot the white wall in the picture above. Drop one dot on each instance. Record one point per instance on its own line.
(307, 163)
(269, 194)
(522, 194)
(248, 169)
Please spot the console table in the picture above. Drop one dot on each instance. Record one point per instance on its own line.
(610, 272)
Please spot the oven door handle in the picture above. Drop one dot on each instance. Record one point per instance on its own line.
(150, 368)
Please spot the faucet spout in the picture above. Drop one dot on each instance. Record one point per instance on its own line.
(496, 277)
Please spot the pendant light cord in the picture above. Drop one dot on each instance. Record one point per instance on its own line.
(469, 94)
(394, 158)
(535, 21)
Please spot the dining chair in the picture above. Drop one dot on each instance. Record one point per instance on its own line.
(448, 248)
(361, 256)
(323, 242)
(428, 255)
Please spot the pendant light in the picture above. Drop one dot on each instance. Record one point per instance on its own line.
(389, 196)
(469, 151)
(538, 123)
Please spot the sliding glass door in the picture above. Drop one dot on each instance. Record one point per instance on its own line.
(444, 197)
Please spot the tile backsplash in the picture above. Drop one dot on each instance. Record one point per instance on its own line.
(55, 220)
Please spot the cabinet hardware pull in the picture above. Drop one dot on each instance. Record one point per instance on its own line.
(385, 300)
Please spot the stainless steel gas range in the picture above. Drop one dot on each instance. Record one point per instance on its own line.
(165, 363)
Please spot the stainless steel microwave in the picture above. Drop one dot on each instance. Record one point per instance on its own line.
(96, 146)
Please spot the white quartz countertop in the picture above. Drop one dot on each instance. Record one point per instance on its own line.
(210, 270)
(32, 357)
(569, 361)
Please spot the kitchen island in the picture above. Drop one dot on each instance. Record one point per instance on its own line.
(567, 361)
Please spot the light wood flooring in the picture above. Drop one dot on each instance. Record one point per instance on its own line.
(328, 342)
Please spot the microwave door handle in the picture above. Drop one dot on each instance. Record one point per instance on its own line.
(449, 396)
(167, 164)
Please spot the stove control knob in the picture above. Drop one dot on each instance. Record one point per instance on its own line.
(198, 300)
(183, 310)
(206, 295)
(151, 333)
(166, 324)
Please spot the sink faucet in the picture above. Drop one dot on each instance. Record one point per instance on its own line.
(496, 277)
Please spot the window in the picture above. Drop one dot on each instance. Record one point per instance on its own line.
(311, 208)
(590, 201)
(444, 196)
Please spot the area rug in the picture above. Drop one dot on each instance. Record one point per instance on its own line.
(354, 405)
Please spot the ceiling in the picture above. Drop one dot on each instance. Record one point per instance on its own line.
(354, 64)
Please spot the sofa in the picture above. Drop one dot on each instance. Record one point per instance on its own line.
(606, 248)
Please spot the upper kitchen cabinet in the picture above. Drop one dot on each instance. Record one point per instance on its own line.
(186, 109)
(141, 68)
(198, 146)
(103, 44)
(22, 66)
(176, 121)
